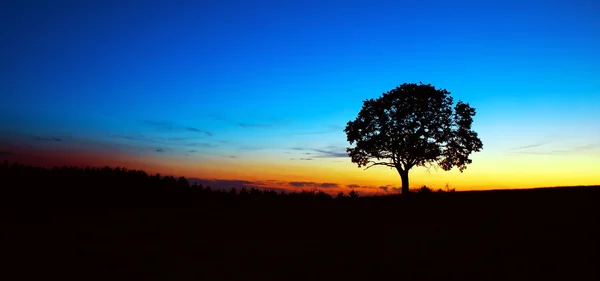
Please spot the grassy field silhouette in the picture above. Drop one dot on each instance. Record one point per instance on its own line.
(99, 224)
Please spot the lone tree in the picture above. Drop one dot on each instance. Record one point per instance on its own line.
(413, 125)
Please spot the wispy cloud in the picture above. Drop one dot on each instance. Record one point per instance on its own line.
(389, 188)
(357, 186)
(313, 184)
(586, 147)
(326, 152)
(335, 153)
(254, 125)
(54, 139)
(222, 183)
(302, 159)
(217, 117)
(576, 149)
(301, 183)
(327, 130)
(200, 145)
(181, 142)
(272, 122)
(160, 125)
(196, 130)
(168, 126)
(532, 145)
(335, 127)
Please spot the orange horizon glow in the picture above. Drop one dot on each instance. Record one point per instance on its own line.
(483, 174)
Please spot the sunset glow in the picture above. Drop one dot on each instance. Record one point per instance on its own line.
(258, 94)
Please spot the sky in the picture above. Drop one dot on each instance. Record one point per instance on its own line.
(258, 92)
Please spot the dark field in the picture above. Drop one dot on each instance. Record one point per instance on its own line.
(538, 234)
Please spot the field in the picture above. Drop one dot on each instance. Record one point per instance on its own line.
(537, 234)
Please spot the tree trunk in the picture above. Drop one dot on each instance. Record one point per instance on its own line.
(404, 176)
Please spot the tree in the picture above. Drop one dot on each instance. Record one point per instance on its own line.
(413, 125)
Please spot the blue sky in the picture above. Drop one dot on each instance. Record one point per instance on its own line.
(226, 78)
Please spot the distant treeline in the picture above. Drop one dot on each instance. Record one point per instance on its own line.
(122, 186)
(24, 185)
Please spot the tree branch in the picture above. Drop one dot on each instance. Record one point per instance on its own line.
(380, 164)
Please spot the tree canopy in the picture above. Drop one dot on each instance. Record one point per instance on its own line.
(413, 125)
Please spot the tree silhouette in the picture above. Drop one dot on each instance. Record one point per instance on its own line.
(413, 125)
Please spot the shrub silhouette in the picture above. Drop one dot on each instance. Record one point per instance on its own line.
(424, 190)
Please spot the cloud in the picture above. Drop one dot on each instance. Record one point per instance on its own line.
(199, 144)
(217, 117)
(224, 184)
(586, 147)
(313, 184)
(167, 126)
(6, 153)
(273, 122)
(532, 145)
(233, 157)
(540, 153)
(182, 142)
(330, 154)
(327, 152)
(160, 125)
(327, 130)
(577, 149)
(179, 139)
(301, 183)
(252, 148)
(254, 125)
(384, 188)
(196, 130)
(357, 186)
(54, 139)
(221, 183)
(134, 137)
(163, 150)
(302, 159)
(271, 183)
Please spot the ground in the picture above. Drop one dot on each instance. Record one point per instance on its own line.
(504, 235)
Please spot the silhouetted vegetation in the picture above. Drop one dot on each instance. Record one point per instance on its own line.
(116, 223)
(89, 186)
(413, 125)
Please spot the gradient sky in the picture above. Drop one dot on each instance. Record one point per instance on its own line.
(258, 92)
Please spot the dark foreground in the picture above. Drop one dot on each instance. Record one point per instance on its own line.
(118, 224)
(547, 234)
